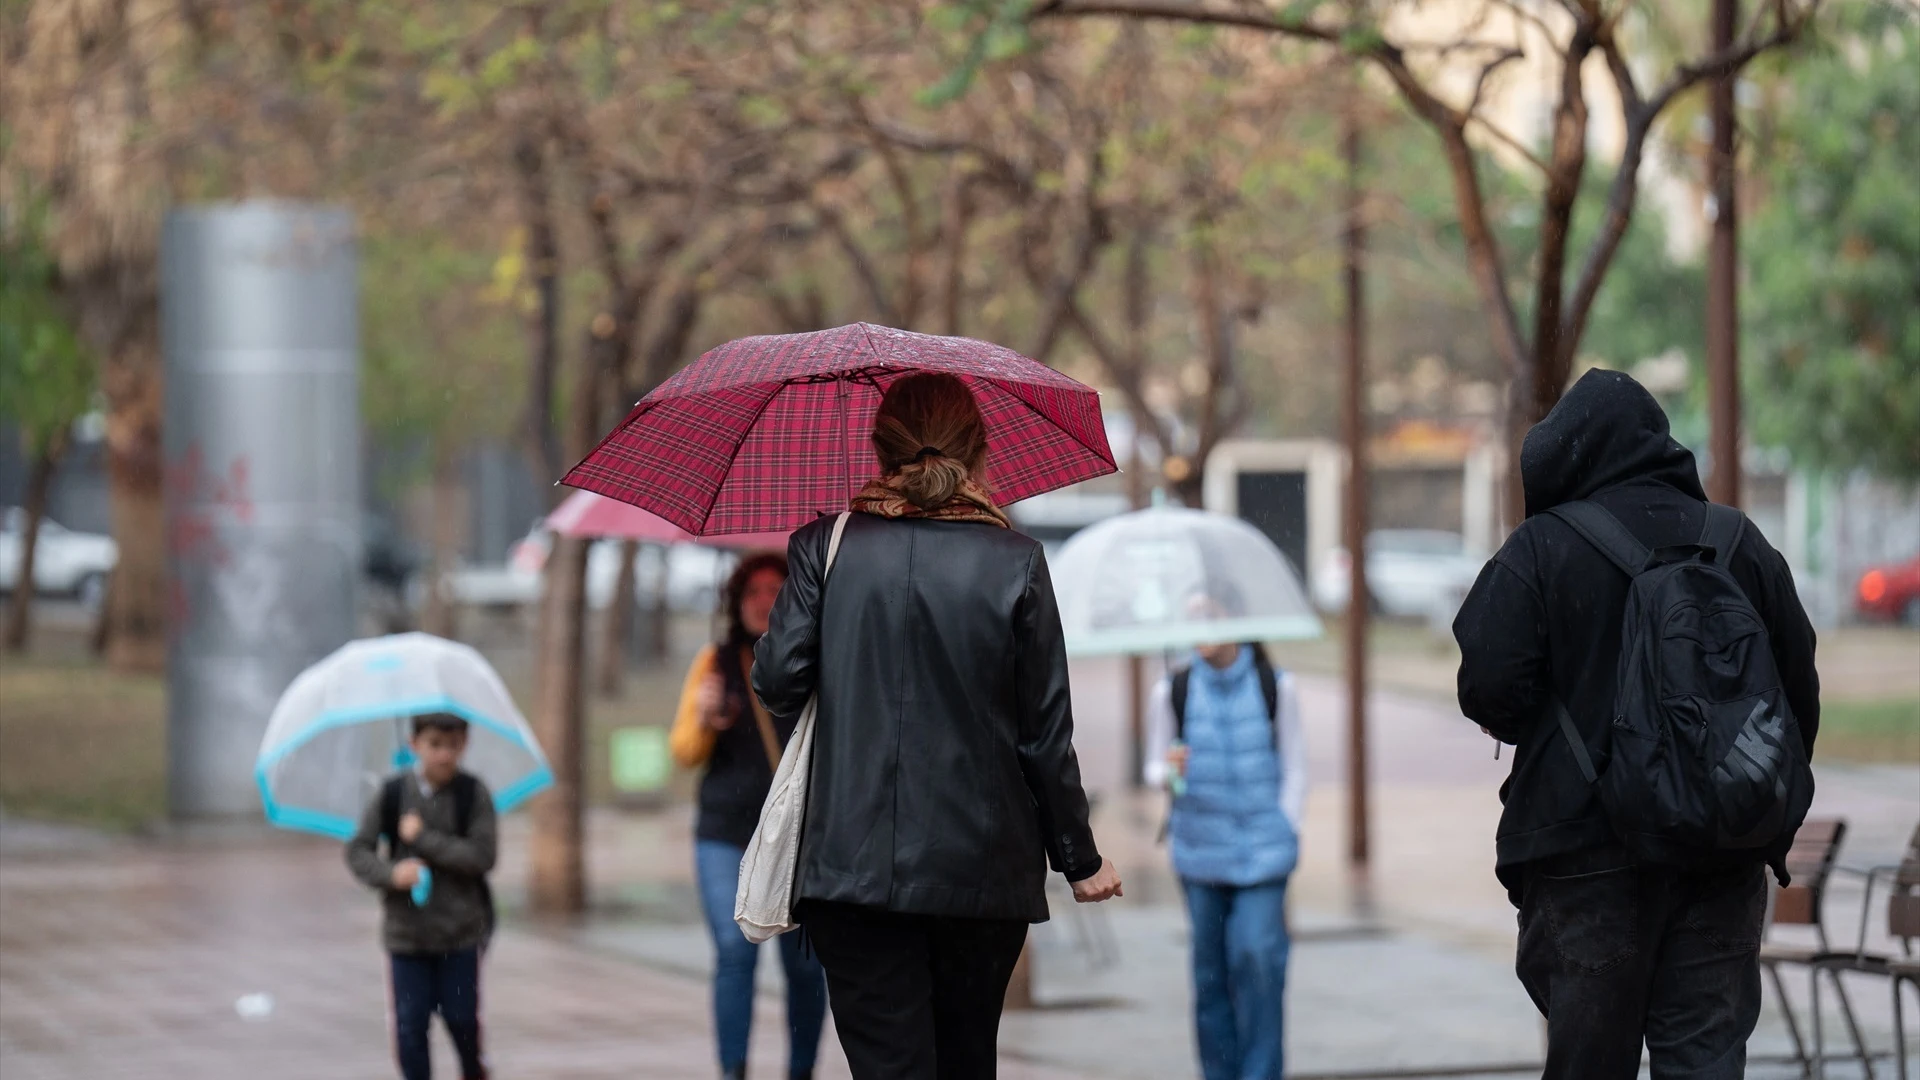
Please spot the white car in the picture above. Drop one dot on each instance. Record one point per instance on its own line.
(1418, 573)
(65, 562)
(694, 575)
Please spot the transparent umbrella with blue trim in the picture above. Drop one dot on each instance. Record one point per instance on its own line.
(344, 724)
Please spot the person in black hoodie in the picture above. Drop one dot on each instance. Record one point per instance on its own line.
(1613, 952)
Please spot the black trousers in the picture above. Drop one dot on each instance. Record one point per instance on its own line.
(914, 997)
(1616, 955)
(446, 983)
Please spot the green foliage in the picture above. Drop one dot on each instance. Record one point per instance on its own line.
(46, 373)
(444, 345)
(1832, 306)
(997, 30)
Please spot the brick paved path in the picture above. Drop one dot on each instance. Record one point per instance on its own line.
(120, 960)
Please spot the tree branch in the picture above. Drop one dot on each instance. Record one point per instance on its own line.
(1569, 164)
(1639, 117)
(863, 267)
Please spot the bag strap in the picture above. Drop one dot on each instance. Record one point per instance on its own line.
(465, 792)
(1601, 529)
(1269, 683)
(1725, 526)
(1574, 741)
(390, 793)
(833, 544)
(1177, 697)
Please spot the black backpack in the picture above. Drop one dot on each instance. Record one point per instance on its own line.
(1269, 690)
(465, 791)
(1706, 767)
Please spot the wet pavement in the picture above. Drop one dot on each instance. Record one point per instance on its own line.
(125, 958)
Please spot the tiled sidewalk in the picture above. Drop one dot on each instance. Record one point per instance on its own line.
(125, 961)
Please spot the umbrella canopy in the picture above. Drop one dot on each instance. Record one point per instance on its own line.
(344, 725)
(1172, 578)
(586, 514)
(769, 432)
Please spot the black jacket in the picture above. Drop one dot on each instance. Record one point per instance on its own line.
(1544, 617)
(944, 777)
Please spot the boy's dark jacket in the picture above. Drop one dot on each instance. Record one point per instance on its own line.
(1544, 617)
(457, 914)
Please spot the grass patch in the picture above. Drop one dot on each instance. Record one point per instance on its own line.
(80, 743)
(1869, 732)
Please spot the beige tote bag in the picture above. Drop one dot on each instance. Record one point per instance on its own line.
(763, 906)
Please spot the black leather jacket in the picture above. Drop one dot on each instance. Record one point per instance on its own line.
(944, 777)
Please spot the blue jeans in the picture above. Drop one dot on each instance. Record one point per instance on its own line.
(717, 869)
(1239, 978)
(446, 983)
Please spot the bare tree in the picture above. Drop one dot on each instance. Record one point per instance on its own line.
(1539, 356)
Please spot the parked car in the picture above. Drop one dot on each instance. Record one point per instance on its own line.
(65, 562)
(694, 575)
(1891, 592)
(1412, 573)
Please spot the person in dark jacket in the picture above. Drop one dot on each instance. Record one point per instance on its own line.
(435, 929)
(1614, 953)
(944, 778)
(722, 726)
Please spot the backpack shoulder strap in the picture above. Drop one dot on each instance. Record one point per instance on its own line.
(1177, 695)
(1269, 684)
(1601, 529)
(1724, 529)
(464, 794)
(390, 807)
(1575, 743)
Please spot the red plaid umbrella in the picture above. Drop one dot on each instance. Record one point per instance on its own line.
(585, 514)
(766, 433)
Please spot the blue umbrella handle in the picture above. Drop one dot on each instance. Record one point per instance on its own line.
(423, 888)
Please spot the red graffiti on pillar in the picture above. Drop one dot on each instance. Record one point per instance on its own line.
(203, 501)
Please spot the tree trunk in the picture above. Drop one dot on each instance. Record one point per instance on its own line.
(137, 612)
(616, 629)
(440, 617)
(39, 482)
(557, 884)
(660, 613)
(543, 260)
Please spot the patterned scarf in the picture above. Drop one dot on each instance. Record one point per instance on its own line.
(971, 502)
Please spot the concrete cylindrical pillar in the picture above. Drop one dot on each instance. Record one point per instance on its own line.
(259, 319)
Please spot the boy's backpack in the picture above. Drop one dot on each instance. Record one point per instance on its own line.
(1269, 691)
(465, 790)
(1707, 767)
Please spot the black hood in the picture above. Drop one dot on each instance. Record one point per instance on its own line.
(1606, 431)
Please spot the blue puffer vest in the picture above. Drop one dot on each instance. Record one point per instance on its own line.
(1228, 828)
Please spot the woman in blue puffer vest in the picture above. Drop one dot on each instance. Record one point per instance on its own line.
(1236, 761)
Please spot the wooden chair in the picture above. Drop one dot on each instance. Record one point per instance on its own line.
(1811, 865)
(1903, 922)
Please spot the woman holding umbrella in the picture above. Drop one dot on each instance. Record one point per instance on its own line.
(944, 778)
(721, 725)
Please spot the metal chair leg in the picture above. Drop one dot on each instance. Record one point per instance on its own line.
(1899, 1030)
(1793, 1025)
(1819, 1039)
(1853, 1025)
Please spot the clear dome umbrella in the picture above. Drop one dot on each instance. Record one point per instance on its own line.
(344, 725)
(1171, 578)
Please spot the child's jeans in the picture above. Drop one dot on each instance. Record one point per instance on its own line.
(446, 983)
